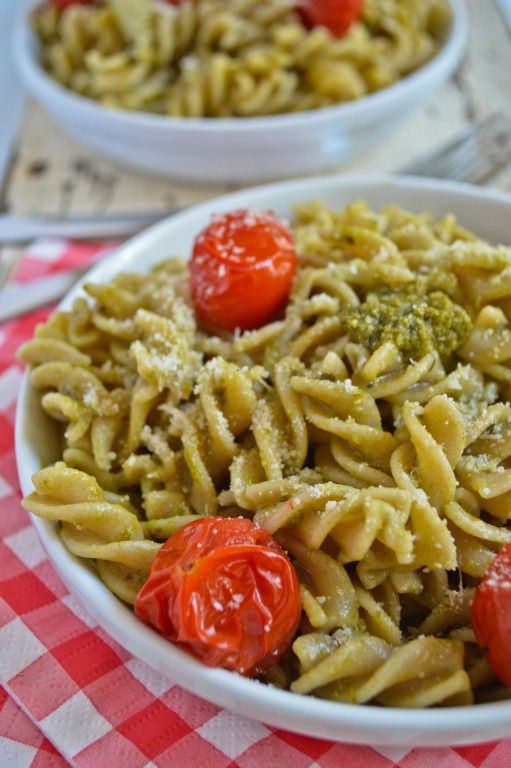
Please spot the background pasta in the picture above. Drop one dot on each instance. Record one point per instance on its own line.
(209, 58)
(378, 457)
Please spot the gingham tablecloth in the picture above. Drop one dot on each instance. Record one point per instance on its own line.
(73, 696)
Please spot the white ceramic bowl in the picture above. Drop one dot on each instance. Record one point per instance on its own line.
(486, 212)
(239, 149)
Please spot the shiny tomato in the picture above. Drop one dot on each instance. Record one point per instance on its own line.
(491, 614)
(241, 269)
(225, 591)
(336, 15)
(61, 4)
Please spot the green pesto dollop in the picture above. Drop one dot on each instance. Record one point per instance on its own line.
(415, 320)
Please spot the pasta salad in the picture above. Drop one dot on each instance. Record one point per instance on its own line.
(241, 58)
(358, 429)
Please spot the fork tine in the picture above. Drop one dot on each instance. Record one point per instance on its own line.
(467, 165)
(479, 153)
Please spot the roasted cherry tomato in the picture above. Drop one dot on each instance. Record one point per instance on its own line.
(241, 269)
(61, 4)
(336, 15)
(225, 591)
(491, 614)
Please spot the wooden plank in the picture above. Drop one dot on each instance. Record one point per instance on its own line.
(12, 96)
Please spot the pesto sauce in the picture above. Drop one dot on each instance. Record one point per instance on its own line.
(415, 320)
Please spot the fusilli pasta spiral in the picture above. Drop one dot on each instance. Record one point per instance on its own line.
(375, 446)
(242, 58)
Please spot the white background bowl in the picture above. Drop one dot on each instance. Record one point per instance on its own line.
(486, 212)
(238, 149)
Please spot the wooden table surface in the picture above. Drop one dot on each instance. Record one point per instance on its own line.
(51, 173)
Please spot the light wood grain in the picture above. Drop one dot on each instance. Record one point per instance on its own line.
(52, 173)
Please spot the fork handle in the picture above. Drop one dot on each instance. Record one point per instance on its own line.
(23, 229)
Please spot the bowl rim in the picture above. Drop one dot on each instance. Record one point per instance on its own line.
(40, 83)
(138, 638)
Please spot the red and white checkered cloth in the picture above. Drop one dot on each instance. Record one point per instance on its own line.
(73, 696)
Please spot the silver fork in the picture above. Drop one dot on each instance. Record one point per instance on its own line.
(473, 157)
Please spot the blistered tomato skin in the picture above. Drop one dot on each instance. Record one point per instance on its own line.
(61, 4)
(241, 270)
(224, 590)
(336, 15)
(491, 615)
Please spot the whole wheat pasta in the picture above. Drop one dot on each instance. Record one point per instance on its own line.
(242, 58)
(368, 428)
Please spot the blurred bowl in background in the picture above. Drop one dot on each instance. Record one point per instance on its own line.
(238, 149)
